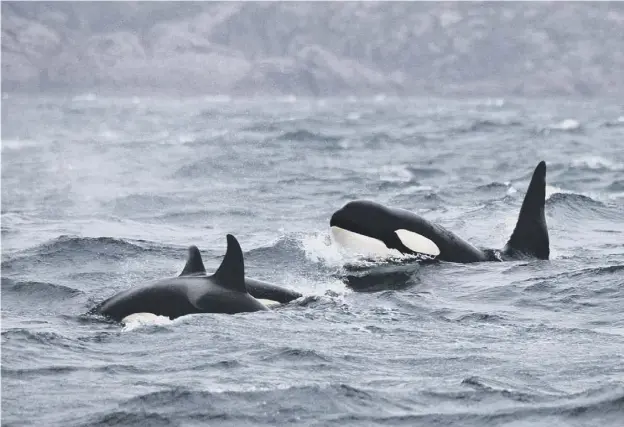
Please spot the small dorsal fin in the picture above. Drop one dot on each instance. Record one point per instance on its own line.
(231, 273)
(530, 237)
(194, 264)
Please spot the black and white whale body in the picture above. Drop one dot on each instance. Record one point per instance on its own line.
(267, 291)
(192, 292)
(369, 227)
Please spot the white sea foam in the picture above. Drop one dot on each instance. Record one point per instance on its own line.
(566, 125)
(138, 320)
(597, 162)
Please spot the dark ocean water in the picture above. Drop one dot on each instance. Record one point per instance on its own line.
(101, 194)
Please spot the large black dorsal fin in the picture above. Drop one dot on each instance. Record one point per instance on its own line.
(231, 273)
(194, 264)
(530, 237)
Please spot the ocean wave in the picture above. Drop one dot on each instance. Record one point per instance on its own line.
(287, 244)
(135, 203)
(423, 172)
(577, 290)
(571, 202)
(303, 135)
(498, 188)
(571, 199)
(498, 387)
(315, 248)
(297, 355)
(36, 372)
(617, 185)
(395, 174)
(548, 283)
(376, 139)
(480, 318)
(191, 216)
(45, 338)
(581, 206)
(354, 116)
(367, 275)
(262, 127)
(566, 125)
(5, 231)
(221, 364)
(77, 249)
(88, 97)
(492, 102)
(25, 289)
(18, 144)
(330, 301)
(608, 269)
(316, 257)
(614, 123)
(345, 404)
(102, 245)
(23, 373)
(587, 409)
(183, 402)
(484, 125)
(198, 169)
(130, 419)
(596, 163)
(493, 186)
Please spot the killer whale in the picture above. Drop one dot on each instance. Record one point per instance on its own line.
(193, 291)
(256, 288)
(267, 291)
(377, 229)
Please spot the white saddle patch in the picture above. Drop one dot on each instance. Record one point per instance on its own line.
(366, 245)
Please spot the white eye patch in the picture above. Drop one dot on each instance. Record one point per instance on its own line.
(360, 243)
(370, 246)
(417, 243)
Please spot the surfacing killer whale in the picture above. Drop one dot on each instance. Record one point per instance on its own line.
(376, 229)
(193, 291)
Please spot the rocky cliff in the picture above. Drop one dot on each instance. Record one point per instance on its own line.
(313, 48)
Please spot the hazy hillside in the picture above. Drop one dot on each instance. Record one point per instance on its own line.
(315, 48)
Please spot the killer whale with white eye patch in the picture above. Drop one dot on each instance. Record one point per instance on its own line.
(369, 228)
(193, 291)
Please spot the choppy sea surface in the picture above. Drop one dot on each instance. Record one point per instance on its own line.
(100, 194)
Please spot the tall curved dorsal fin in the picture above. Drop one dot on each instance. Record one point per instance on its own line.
(194, 264)
(530, 237)
(231, 273)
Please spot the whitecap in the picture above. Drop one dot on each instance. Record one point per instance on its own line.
(566, 125)
(291, 99)
(496, 102)
(395, 174)
(217, 98)
(85, 97)
(596, 163)
(138, 320)
(318, 247)
(17, 144)
(551, 189)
